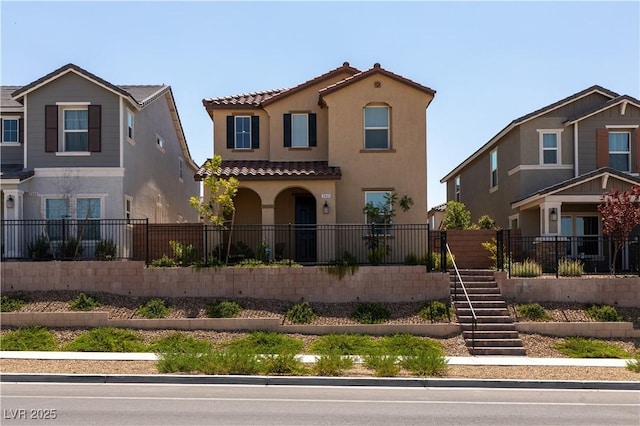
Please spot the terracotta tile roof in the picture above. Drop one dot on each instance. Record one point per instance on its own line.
(274, 170)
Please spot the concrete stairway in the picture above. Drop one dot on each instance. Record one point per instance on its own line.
(495, 332)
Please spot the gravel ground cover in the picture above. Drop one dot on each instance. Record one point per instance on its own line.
(123, 307)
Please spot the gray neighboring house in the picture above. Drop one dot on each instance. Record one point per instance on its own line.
(545, 172)
(76, 146)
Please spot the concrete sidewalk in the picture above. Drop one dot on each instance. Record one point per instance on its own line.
(463, 360)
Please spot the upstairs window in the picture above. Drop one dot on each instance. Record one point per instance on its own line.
(549, 147)
(376, 127)
(456, 188)
(10, 130)
(494, 169)
(299, 130)
(243, 132)
(180, 168)
(75, 129)
(619, 151)
(130, 124)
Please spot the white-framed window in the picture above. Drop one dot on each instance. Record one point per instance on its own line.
(130, 124)
(10, 130)
(75, 128)
(379, 201)
(180, 168)
(128, 207)
(242, 132)
(87, 211)
(376, 127)
(160, 143)
(550, 143)
(299, 130)
(620, 151)
(584, 231)
(493, 162)
(456, 188)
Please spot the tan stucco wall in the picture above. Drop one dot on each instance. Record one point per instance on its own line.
(367, 284)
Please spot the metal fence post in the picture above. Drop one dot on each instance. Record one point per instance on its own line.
(499, 250)
(428, 246)
(443, 251)
(206, 246)
(557, 257)
(290, 246)
(146, 249)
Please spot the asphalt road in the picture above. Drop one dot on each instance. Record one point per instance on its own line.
(134, 404)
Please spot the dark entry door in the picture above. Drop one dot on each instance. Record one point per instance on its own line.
(305, 228)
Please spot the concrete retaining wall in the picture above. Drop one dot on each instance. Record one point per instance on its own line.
(367, 284)
(603, 330)
(614, 291)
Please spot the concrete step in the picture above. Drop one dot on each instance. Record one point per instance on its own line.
(488, 326)
(490, 334)
(473, 284)
(498, 351)
(483, 312)
(480, 290)
(479, 297)
(480, 303)
(488, 343)
(493, 319)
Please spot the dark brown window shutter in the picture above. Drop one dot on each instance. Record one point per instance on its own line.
(313, 138)
(637, 150)
(51, 128)
(602, 148)
(255, 132)
(95, 128)
(231, 132)
(21, 130)
(286, 123)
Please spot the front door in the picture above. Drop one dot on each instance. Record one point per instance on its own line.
(305, 217)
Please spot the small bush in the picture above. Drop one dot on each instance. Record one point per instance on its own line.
(12, 303)
(164, 262)
(432, 260)
(33, 338)
(435, 310)
(407, 345)
(579, 347)
(570, 268)
(485, 222)
(347, 264)
(425, 364)
(532, 312)
(382, 365)
(281, 364)
(106, 250)
(183, 362)
(603, 313)
(634, 363)
(184, 254)
(107, 339)
(82, 302)
(528, 268)
(224, 309)
(239, 361)
(261, 342)
(40, 249)
(343, 344)
(71, 249)
(370, 313)
(154, 308)
(180, 343)
(332, 365)
(301, 313)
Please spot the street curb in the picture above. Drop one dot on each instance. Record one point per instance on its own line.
(316, 381)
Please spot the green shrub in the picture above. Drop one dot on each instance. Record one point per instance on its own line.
(12, 303)
(492, 248)
(407, 345)
(570, 268)
(347, 264)
(432, 260)
(180, 343)
(261, 342)
(411, 259)
(82, 302)
(184, 254)
(183, 362)
(40, 248)
(634, 363)
(71, 249)
(164, 262)
(343, 344)
(332, 365)
(427, 363)
(224, 309)
(154, 308)
(580, 347)
(281, 364)
(239, 361)
(370, 313)
(34, 338)
(485, 222)
(603, 313)
(528, 268)
(106, 250)
(435, 310)
(382, 365)
(107, 339)
(532, 312)
(301, 313)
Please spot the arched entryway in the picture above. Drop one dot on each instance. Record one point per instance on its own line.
(298, 207)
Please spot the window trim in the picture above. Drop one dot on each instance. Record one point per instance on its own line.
(160, 143)
(62, 142)
(306, 133)
(493, 180)
(627, 153)
(128, 207)
(557, 149)
(131, 126)
(235, 132)
(17, 120)
(456, 188)
(387, 127)
(72, 213)
(180, 169)
(387, 227)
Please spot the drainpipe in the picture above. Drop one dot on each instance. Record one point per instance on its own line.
(575, 149)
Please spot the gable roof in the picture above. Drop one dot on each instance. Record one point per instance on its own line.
(377, 69)
(609, 104)
(525, 118)
(139, 95)
(561, 186)
(263, 98)
(274, 170)
(6, 101)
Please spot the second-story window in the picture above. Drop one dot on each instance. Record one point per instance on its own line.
(456, 188)
(75, 129)
(299, 130)
(494, 169)
(180, 168)
(550, 147)
(376, 127)
(242, 132)
(619, 152)
(130, 124)
(10, 132)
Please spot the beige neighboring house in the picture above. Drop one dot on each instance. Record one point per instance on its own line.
(318, 152)
(436, 216)
(545, 172)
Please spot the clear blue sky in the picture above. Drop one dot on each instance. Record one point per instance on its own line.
(490, 62)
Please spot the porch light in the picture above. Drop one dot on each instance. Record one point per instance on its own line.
(325, 208)
(10, 202)
(553, 214)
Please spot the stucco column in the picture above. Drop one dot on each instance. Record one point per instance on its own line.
(12, 205)
(550, 214)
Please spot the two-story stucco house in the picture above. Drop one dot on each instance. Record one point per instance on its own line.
(545, 172)
(76, 146)
(318, 152)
